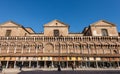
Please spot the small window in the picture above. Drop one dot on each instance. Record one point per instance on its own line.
(104, 32)
(8, 33)
(56, 33)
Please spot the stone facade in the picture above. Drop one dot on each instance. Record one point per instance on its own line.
(98, 46)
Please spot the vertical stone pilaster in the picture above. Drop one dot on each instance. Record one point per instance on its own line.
(8, 49)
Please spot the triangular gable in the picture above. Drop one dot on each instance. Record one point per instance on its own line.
(10, 23)
(55, 23)
(102, 23)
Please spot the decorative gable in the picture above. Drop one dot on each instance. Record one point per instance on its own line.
(103, 23)
(56, 23)
(10, 23)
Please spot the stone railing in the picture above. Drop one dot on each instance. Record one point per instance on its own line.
(66, 38)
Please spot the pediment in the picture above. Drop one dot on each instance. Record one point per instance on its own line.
(102, 23)
(56, 23)
(10, 24)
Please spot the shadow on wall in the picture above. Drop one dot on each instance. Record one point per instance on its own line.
(72, 72)
(50, 72)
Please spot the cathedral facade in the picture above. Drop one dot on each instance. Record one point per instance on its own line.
(97, 46)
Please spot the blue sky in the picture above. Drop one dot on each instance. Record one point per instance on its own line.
(76, 13)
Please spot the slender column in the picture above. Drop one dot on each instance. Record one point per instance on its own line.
(67, 64)
(25, 39)
(64, 38)
(110, 64)
(97, 64)
(52, 65)
(15, 50)
(86, 64)
(34, 39)
(7, 64)
(29, 49)
(103, 64)
(37, 64)
(81, 64)
(22, 63)
(118, 64)
(45, 64)
(15, 64)
(74, 63)
(29, 64)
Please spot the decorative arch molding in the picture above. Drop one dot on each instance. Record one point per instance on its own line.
(39, 43)
(32, 43)
(49, 48)
(12, 44)
(4, 43)
(19, 44)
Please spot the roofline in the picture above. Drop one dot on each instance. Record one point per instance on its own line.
(57, 21)
(103, 21)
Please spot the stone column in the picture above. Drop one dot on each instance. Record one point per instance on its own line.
(103, 64)
(67, 64)
(118, 64)
(14, 64)
(96, 64)
(37, 64)
(7, 64)
(74, 63)
(52, 64)
(29, 64)
(45, 64)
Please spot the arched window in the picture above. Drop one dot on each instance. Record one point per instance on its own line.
(104, 32)
(56, 33)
